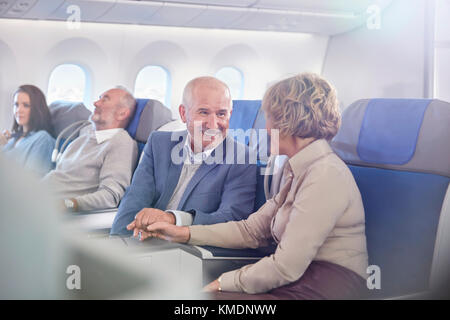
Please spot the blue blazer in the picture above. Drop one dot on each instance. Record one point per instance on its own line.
(217, 192)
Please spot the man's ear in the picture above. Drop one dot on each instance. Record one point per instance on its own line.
(123, 114)
(182, 111)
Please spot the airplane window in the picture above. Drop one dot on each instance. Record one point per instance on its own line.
(67, 82)
(234, 79)
(153, 82)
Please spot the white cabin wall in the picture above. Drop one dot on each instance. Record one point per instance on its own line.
(113, 54)
(442, 50)
(384, 63)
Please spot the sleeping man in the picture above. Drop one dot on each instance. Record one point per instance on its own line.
(96, 167)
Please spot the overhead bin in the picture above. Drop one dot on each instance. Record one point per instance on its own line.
(89, 10)
(306, 16)
(130, 12)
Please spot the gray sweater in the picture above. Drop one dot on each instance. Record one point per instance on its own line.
(95, 174)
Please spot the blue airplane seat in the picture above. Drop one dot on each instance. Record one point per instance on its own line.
(244, 115)
(134, 122)
(247, 114)
(399, 153)
(259, 139)
(149, 115)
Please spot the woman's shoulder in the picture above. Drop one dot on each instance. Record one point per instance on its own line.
(329, 162)
(331, 167)
(43, 136)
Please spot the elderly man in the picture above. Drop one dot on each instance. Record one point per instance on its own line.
(191, 189)
(96, 168)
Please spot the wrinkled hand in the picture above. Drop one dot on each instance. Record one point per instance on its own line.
(169, 232)
(146, 217)
(212, 286)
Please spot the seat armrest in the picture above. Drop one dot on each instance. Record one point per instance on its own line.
(99, 211)
(216, 253)
(93, 220)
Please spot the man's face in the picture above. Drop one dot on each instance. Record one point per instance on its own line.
(106, 109)
(208, 115)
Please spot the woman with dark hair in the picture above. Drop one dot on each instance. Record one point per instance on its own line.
(30, 142)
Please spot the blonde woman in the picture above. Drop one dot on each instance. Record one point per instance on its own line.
(317, 218)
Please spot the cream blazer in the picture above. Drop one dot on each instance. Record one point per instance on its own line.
(317, 215)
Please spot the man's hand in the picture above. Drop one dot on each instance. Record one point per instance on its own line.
(147, 216)
(169, 232)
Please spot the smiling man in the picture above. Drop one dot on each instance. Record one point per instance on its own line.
(96, 167)
(193, 190)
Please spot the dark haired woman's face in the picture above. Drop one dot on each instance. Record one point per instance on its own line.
(22, 109)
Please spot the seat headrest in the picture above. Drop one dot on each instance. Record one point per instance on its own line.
(404, 134)
(64, 113)
(244, 115)
(149, 115)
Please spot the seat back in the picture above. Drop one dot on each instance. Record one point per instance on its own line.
(65, 113)
(149, 116)
(247, 114)
(398, 152)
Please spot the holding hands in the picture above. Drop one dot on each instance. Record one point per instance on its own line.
(155, 223)
(150, 222)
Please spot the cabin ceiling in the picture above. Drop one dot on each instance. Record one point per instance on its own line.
(328, 17)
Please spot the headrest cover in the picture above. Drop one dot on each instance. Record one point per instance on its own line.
(390, 129)
(64, 113)
(148, 116)
(153, 116)
(404, 134)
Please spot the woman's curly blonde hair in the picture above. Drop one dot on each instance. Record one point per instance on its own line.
(303, 106)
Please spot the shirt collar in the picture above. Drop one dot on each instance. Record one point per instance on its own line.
(308, 155)
(104, 135)
(196, 158)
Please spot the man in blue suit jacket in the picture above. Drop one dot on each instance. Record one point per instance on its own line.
(194, 173)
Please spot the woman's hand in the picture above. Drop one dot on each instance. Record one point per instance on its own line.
(4, 137)
(169, 232)
(212, 286)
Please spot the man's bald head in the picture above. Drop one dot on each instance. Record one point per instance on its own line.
(114, 109)
(202, 83)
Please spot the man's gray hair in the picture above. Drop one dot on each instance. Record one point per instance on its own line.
(127, 100)
(190, 86)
